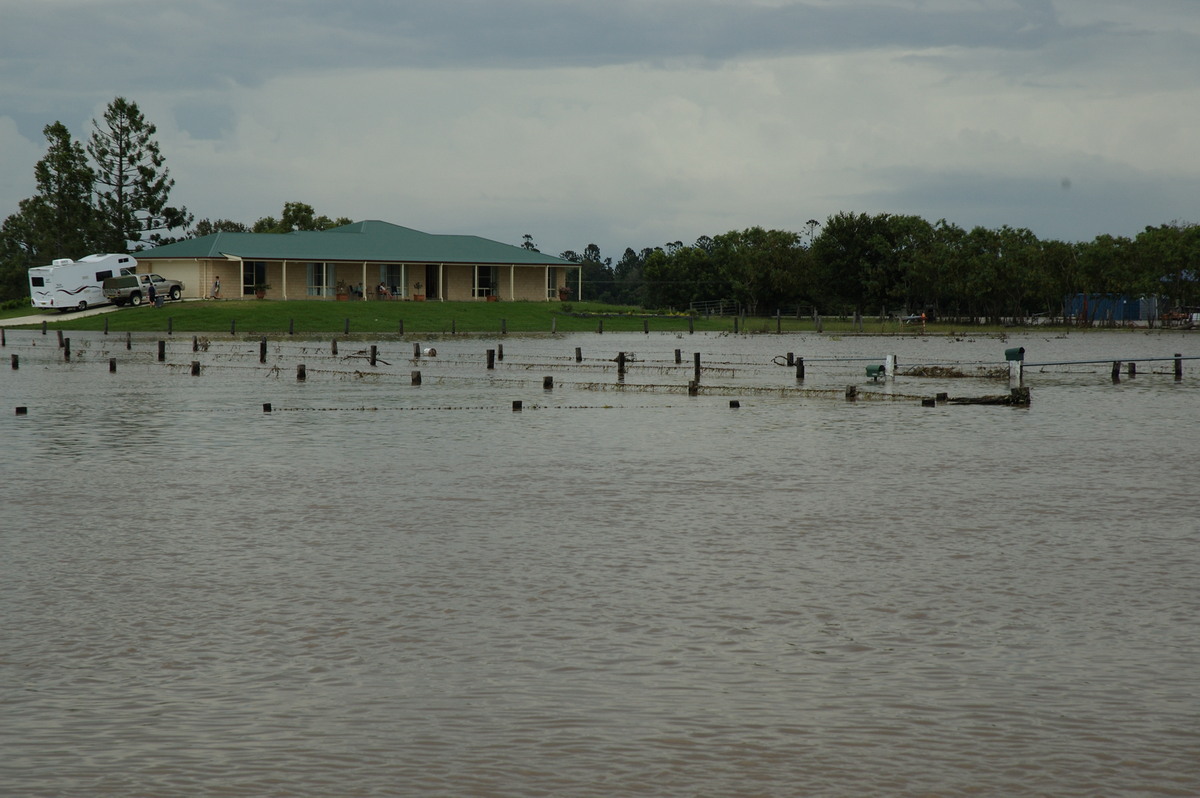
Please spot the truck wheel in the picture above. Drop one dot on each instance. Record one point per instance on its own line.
(82, 306)
(175, 292)
(135, 299)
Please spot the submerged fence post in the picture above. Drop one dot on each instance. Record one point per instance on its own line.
(112, 365)
(162, 351)
(262, 350)
(301, 373)
(374, 352)
(333, 347)
(1016, 371)
(195, 368)
(16, 362)
(678, 356)
(129, 340)
(547, 383)
(578, 354)
(499, 351)
(67, 350)
(416, 378)
(416, 351)
(1116, 371)
(1178, 366)
(233, 326)
(491, 358)
(620, 364)
(195, 343)
(697, 359)
(799, 368)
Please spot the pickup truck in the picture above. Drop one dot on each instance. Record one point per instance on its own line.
(135, 288)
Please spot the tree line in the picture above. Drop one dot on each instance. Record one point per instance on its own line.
(113, 195)
(886, 263)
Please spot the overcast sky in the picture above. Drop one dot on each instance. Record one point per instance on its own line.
(631, 123)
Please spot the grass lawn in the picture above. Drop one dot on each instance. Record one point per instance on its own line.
(307, 317)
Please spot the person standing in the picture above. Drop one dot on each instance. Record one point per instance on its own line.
(216, 289)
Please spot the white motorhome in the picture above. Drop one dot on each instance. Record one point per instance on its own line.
(76, 284)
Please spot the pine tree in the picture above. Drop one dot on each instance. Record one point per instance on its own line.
(133, 185)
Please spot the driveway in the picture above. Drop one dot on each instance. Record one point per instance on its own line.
(38, 318)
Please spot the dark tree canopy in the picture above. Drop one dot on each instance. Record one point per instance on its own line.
(297, 216)
(208, 226)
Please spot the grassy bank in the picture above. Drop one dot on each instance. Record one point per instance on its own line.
(266, 317)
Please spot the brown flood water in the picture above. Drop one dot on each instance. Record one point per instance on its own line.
(381, 589)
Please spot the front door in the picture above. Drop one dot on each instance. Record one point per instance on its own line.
(432, 289)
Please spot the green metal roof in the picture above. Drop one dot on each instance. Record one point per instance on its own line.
(361, 241)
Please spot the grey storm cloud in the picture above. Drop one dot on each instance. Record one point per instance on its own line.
(206, 43)
(631, 121)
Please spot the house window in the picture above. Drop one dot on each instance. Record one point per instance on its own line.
(393, 276)
(552, 283)
(254, 272)
(485, 281)
(320, 279)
